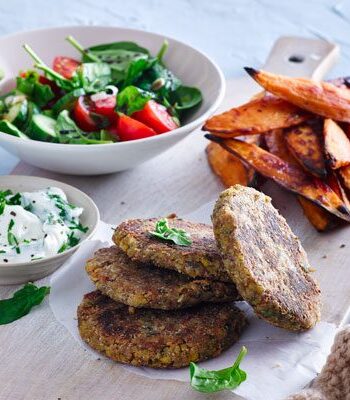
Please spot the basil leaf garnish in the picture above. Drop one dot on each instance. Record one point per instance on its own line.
(207, 381)
(177, 236)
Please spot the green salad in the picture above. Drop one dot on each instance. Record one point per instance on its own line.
(115, 92)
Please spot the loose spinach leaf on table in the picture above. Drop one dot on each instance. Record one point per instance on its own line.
(21, 302)
(132, 99)
(29, 85)
(207, 381)
(177, 236)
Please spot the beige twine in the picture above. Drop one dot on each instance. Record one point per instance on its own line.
(333, 383)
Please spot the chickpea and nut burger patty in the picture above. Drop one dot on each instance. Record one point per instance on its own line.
(158, 338)
(265, 259)
(200, 259)
(144, 285)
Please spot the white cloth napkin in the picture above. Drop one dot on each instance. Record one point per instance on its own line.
(278, 363)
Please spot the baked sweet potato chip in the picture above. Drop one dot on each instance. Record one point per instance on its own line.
(321, 219)
(228, 167)
(305, 143)
(257, 116)
(287, 175)
(321, 98)
(337, 145)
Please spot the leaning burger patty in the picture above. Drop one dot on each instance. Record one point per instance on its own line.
(265, 259)
(200, 259)
(158, 338)
(144, 285)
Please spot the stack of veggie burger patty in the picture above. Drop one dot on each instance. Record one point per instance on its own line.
(166, 289)
(155, 310)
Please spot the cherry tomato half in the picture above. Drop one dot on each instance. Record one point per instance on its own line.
(93, 115)
(130, 129)
(82, 116)
(156, 117)
(105, 106)
(65, 66)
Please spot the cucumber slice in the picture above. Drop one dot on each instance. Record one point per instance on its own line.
(17, 113)
(32, 110)
(67, 101)
(42, 128)
(10, 129)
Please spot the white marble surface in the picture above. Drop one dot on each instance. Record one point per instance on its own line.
(234, 32)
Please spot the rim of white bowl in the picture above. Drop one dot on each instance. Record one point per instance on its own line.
(68, 251)
(190, 126)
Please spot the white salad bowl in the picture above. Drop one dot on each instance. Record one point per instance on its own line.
(12, 273)
(192, 66)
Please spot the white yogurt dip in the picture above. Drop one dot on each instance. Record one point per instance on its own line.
(35, 225)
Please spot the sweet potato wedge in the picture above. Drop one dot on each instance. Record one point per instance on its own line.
(321, 219)
(344, 174)
(337, 145)
(305, 143)
(229, 169)
(287, 175)
(320, 98)
(257, 116)
(318, 217)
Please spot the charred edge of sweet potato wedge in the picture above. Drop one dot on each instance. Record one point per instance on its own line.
(291, 177)
(229, 168)
(305, 142)
(318, 217)
(321, 98)
(337, 145)
(257, 116)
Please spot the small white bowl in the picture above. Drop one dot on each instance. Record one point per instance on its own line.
(192, 66)
(13, 273)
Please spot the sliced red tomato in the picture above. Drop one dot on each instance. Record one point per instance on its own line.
(130, 129)
(94, 115)
(105, 106)
(156, 117)
(82, 115)
(65, 66)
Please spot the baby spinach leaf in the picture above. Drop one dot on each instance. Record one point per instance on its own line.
(68, 132)
(37, 92)
(21, 302)
(185, 97)
(94, 77)
(207, 381)
(119, 56)
(177, 236)
(132, 99)
(157, 72)
(136, 68)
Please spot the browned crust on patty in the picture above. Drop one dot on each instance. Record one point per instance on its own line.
(200, 259)
(157, 338)
(144, 285)
(265, 259)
